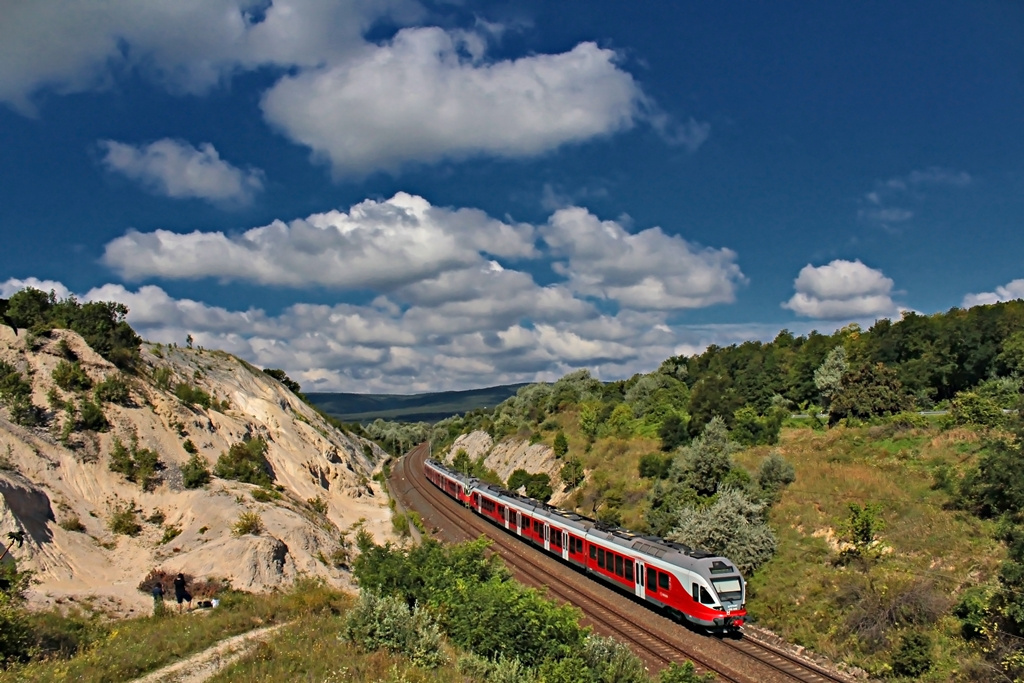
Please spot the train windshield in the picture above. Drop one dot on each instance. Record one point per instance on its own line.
(729, 589)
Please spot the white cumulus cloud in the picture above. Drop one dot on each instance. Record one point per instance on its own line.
(646, 270)
(376, 245)
(187, 45)
(428, 94)
(1008, 292)
(841, 289)
(176, 169)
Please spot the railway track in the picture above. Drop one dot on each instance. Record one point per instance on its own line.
(656, 639)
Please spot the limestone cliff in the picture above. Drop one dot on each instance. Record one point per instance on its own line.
(58, 487)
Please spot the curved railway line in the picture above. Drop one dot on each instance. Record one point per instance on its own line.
(655, 639)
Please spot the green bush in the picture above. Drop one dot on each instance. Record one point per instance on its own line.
(101, 324)
(189, 447)
(114, 389)
(654, 465)
(162, 377)
(247, 523)
(193, 396)
(196, 472)
(969, 408)
(71, 376)
(170, 533)
(72, 523)
(16, 394)
(91, 417)
(733, 526)
(914, 655)
(138, 465)
(246, 462)
(318, 504)
(561, 446)
(685, 673)
(124, 518)
(774, 474)
(387, 623)
(572, 473)
(263, 495)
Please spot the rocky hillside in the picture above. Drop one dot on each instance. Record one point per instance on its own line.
(512, 454)
(59, 489)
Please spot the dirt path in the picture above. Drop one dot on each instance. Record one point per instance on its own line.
(203, 665)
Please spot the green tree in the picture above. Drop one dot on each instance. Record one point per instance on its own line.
(588, 420)
(572, 473)
(71, 376)
(732, 526)
(561, 446)
(774, 474)
(673, 432)
(709, 458)
(969, 408)
(828, 377)
(654, 465)
(518, 479)
(539, 487)
(871, 390)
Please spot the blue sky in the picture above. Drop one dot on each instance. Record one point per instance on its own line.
(408, 195)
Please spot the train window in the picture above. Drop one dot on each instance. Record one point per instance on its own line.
(600, 558)
(556, 537)
(618, 565)
(593, 552)
(663, 580)
(629, 569)
(652, 579)
(696, 592)
(705, 597)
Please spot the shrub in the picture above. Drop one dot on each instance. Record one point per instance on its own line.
(196, 472)
(70, 376)
(170, 533)
(561, 446)
(685, 673)
(318, 504)
(245, 462)
(969, 408)
(387, 623)
(114, 389)
(913, 657)
(263, 495)
(247, 523)
(72, 523)
(191, 395)
(189, 447)
(654, 466)
(400, 523)
(139, 465)
(124, 518)
(16, 394)
(775, 473)
(91, 417)
(157, 517)
(162, 377)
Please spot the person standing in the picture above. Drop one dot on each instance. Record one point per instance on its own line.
(158, 599)
(180, 593)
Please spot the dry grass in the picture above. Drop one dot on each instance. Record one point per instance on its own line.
(799, 593)
(310, 650)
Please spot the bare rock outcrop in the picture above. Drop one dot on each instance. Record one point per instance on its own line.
(512, 454)
(57, 487)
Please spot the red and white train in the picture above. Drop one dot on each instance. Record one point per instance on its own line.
(703, 588)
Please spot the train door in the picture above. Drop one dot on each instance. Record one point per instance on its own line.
(519, 523)
(638, 579)
(507, 514)
(547, 537)
(565, 545)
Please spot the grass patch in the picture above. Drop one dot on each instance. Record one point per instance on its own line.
(123, 650)
(310, 650)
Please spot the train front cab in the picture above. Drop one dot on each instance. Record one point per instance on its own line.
(693, 602)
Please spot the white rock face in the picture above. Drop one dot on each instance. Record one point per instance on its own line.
(44, 483)
(513, 454)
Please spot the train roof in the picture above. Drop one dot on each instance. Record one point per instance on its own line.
(669, 552)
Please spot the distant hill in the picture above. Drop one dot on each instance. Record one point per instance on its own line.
(409, 407)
